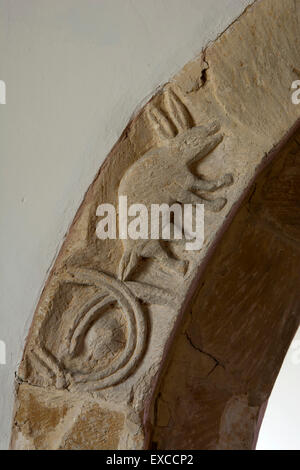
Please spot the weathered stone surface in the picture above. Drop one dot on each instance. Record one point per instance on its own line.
(95, 428)
(109, 309)
(61, 421)
(245, 314)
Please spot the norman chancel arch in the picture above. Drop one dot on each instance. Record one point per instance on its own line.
(141, 344)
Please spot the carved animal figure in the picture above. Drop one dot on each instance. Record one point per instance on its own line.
(163, 175)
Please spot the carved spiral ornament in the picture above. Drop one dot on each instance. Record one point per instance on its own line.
(111, 291)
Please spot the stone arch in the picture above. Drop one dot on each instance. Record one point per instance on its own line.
(196, 141)
(245, 313)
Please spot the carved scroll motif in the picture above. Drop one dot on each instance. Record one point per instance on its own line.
(162, 175)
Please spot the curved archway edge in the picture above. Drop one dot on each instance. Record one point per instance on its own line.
(236, 119)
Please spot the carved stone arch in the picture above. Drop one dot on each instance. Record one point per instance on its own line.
(98, 365)
(224, 361)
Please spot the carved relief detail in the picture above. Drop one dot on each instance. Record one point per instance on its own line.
(68, 366)
(95, 353)
(110, 292)
(110, 309)
(163, 176)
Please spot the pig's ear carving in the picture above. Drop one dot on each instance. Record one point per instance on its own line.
(180, 114)
(174, 120)
(163, 126)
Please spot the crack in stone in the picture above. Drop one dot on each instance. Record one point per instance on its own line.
(217, 362)
(251, 197)
(204, 70)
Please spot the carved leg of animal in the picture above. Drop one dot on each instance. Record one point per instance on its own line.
(187, 197)
(128, 262)
(202, 185)
(153, 249)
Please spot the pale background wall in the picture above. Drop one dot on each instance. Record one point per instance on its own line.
(75, 71)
